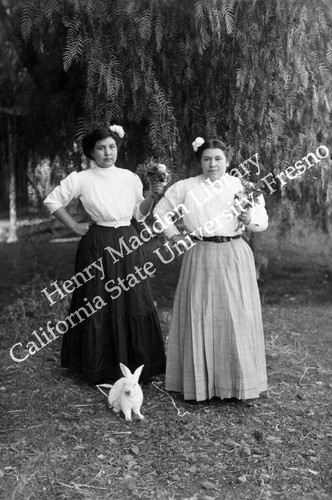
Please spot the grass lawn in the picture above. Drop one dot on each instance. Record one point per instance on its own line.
(60, 441)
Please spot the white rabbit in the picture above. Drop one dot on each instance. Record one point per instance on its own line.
(126, 394)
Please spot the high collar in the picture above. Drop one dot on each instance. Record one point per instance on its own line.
(102, 169)
(221, 178)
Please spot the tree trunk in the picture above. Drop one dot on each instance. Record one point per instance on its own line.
(12, 235)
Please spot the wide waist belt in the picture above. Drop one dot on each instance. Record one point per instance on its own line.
(218, 239)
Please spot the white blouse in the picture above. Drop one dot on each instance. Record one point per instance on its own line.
(208, 208)
(111, 196)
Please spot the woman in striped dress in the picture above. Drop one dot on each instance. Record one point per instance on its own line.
(216, 340)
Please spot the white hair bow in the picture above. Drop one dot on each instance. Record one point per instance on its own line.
(118, 130)
(197, 143)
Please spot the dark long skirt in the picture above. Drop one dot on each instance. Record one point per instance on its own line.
(115, 325)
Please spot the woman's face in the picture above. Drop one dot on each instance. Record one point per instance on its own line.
(105, 152)
(213, 163)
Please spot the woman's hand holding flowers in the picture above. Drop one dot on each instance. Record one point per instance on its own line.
(155, 175)
(245, 217)
(156, 188)
(244, 200)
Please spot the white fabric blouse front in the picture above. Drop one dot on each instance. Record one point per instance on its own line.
(111, 196)
(206, 207)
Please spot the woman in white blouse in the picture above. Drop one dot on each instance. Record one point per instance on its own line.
(112, 317)
(216, 341)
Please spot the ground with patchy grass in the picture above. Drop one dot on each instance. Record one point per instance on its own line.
(60, 441)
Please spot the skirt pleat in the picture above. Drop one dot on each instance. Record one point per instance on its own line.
(124, 329)
(216, 340)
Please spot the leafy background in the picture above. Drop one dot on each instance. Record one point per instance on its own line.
(255, 73)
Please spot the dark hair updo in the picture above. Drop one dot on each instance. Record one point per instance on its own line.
(210, 144)
(89, 140)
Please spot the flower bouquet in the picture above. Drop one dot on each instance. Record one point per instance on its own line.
(151, 172)
(249, 193)
(247, 197)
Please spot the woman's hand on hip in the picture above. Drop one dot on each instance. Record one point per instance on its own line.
(81, 228)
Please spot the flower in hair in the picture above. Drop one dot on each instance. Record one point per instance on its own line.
(197, 143)
(118, 130)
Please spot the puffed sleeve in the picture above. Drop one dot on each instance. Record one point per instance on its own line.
(173, 197)
(138, 187)
(63, 194)
(259, 218)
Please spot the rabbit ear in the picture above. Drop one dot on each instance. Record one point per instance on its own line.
(138, 372)
(126, 372)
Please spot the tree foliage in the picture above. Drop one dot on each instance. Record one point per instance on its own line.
(255, 73)
(251, 71)
(38, 97)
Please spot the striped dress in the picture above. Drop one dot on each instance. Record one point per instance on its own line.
(216, 339)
